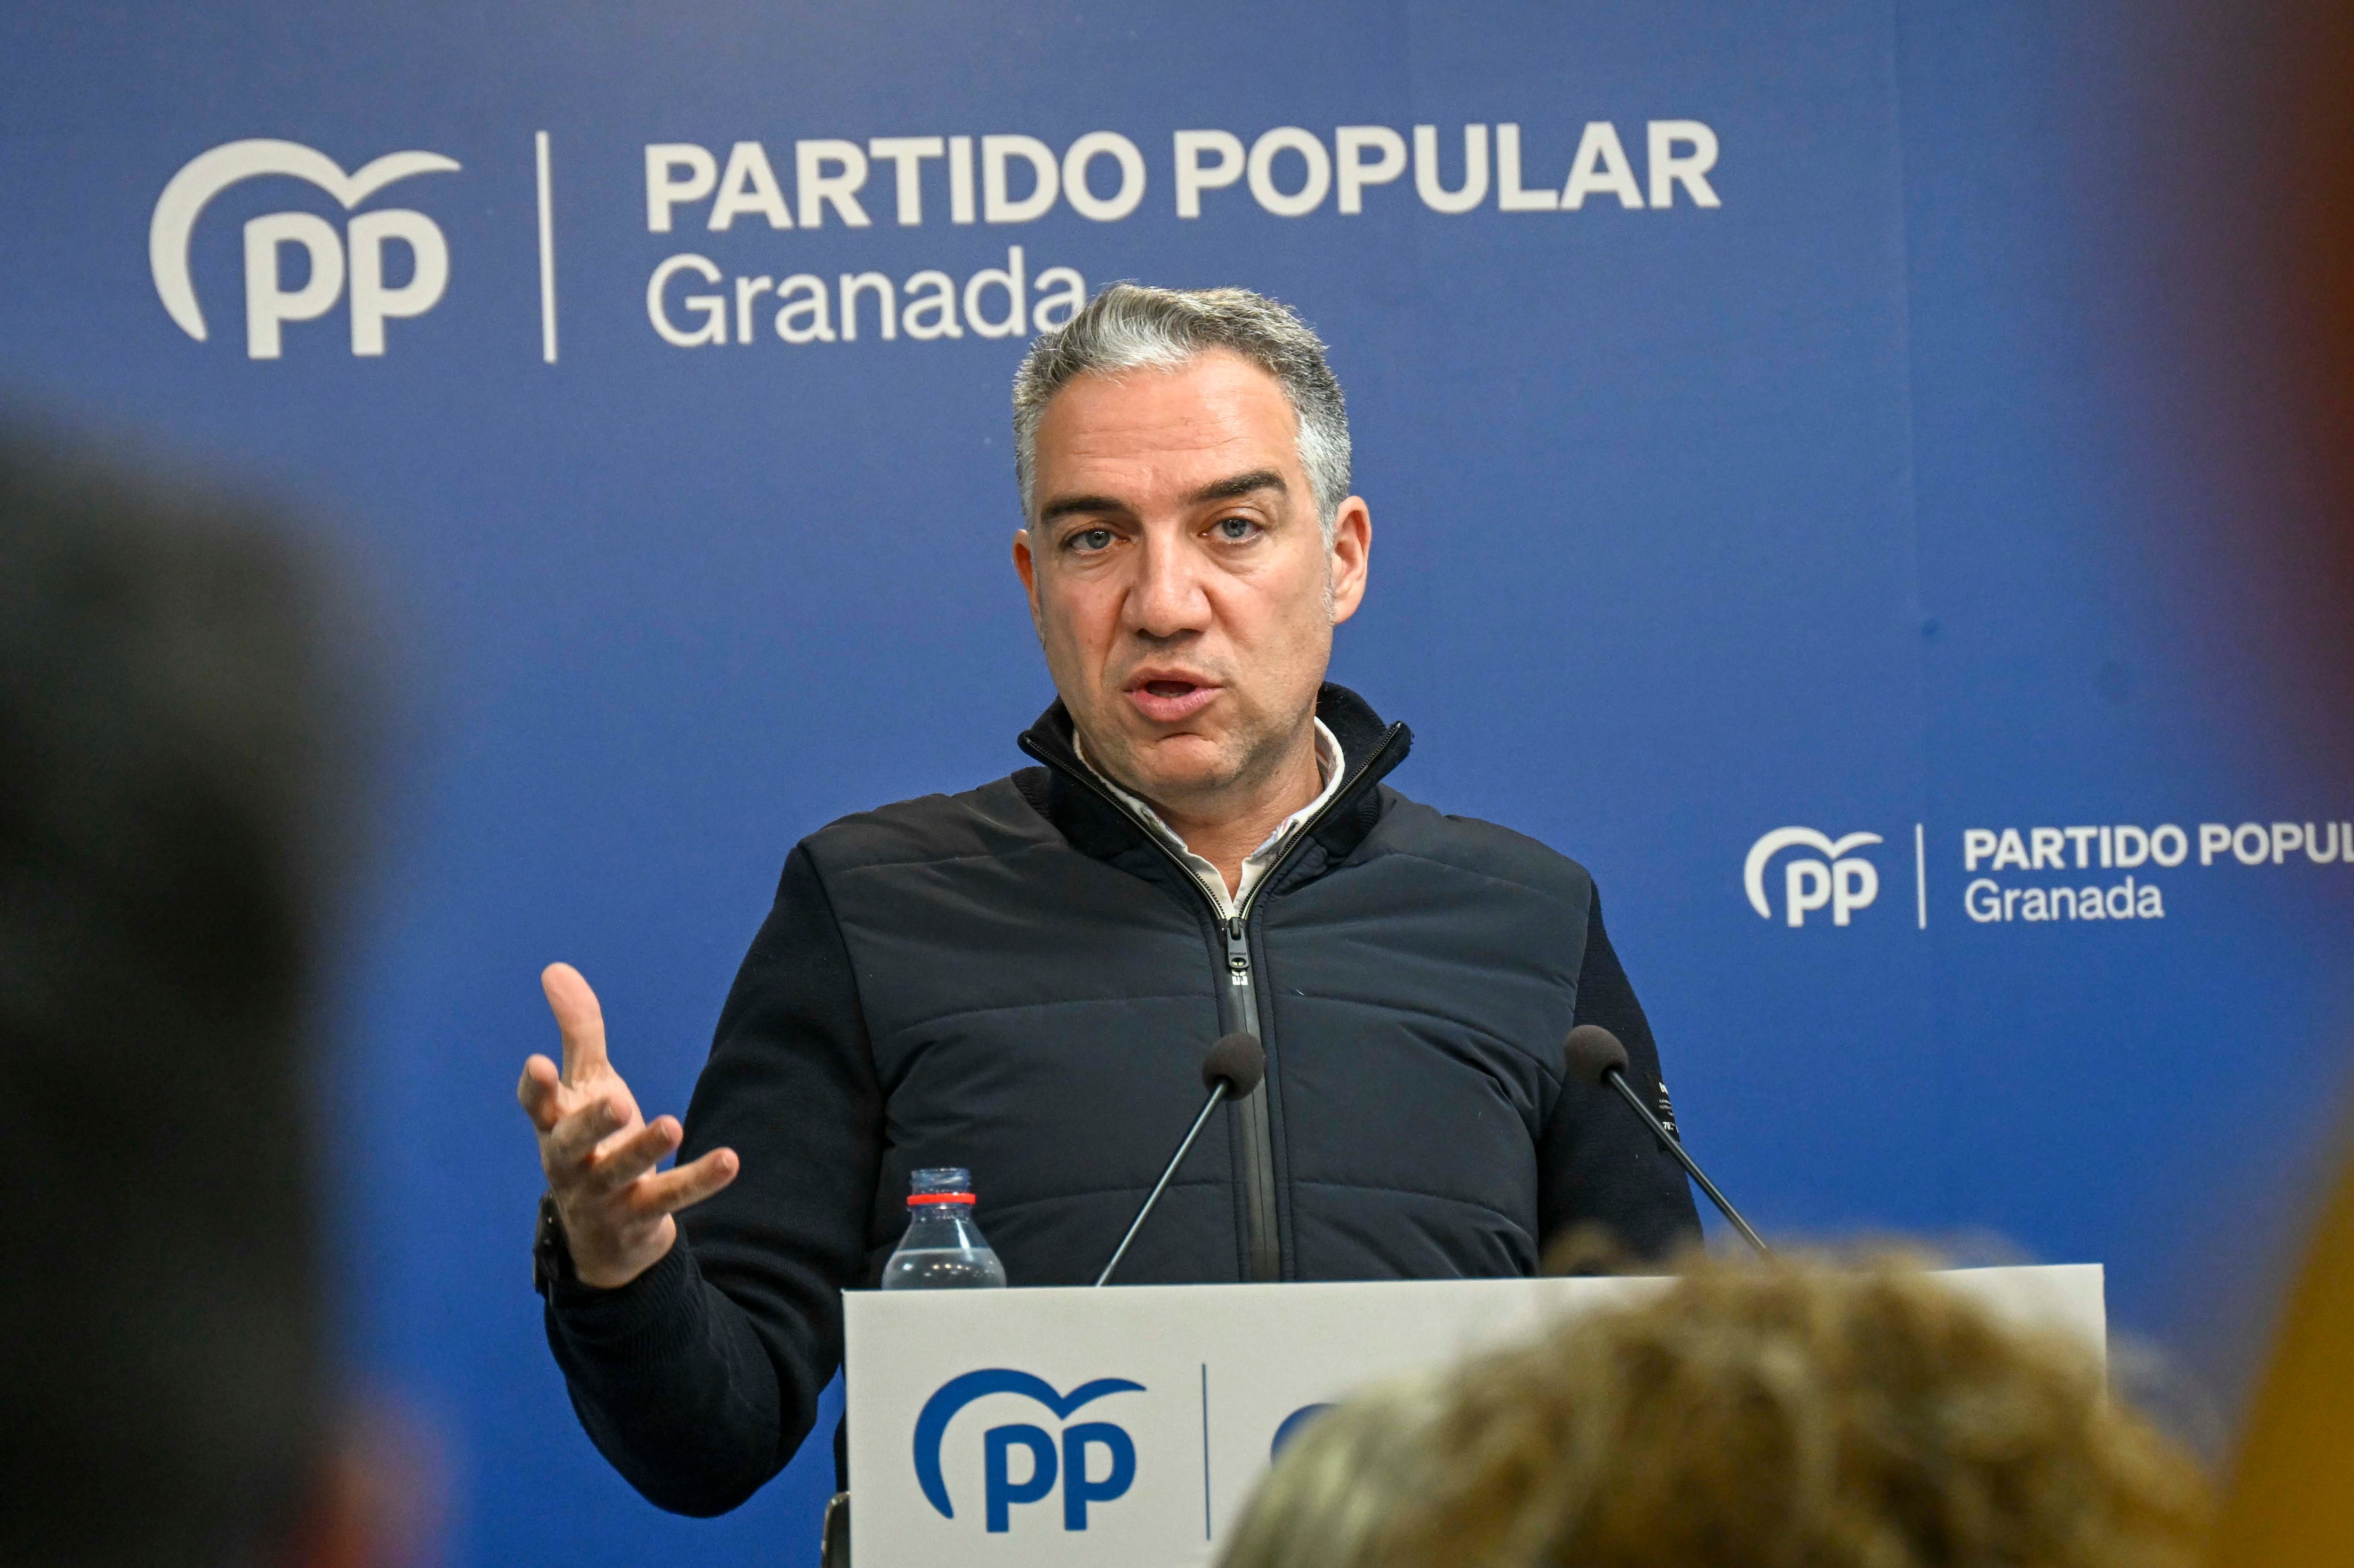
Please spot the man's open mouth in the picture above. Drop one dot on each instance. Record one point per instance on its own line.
(1170, 699)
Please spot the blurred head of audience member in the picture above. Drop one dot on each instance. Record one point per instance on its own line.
(1336, 1486)
(2288, 1500)
(172, 829)
(1793, 1415)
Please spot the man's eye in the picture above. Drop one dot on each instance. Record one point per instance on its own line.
(1090, 539)
(1236, 528)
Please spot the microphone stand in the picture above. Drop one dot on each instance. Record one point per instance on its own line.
(1217, 1097)
(1617, 1078)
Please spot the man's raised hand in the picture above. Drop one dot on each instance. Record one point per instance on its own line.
(599, 1153)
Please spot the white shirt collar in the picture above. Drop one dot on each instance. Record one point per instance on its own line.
(1330, 764)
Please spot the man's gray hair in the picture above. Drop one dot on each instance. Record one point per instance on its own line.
(1131, 327)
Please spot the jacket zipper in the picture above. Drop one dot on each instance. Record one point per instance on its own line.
(1238, 1010)
(1262, 1229)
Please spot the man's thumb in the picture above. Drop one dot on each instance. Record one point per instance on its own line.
(578, 1018)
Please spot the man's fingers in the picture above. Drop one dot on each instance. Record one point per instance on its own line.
(626, 1156)
(578, 1018)
(575, 1138)
(540, 1093)
(687, 1186)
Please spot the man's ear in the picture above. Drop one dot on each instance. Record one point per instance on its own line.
(1026, 567)
(1351, 556)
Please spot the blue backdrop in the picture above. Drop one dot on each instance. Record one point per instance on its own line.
(1834, 463)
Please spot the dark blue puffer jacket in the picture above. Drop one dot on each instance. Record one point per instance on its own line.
(1022, 981)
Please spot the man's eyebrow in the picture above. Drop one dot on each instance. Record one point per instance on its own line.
(1075, 505)
(1232, 489)
(1242, 484)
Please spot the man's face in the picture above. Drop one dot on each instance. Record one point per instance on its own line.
(1180, 583)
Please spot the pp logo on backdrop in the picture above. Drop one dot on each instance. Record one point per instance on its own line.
(358, 254)
(1046, 1459)
(1839, 879)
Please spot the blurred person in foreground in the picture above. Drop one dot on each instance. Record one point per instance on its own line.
(173, 827)
(2286, 1502)
(1792, 1413)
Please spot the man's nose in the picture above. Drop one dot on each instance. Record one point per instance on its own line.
(1168, 598)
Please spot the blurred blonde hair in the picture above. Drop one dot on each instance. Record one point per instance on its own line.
(1337, 1483)
(1799, 1413)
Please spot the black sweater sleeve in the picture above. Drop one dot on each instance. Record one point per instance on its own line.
(1599, 1164)
(699, 1379)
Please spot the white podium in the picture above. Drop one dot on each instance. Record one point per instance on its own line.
(1126, 1425)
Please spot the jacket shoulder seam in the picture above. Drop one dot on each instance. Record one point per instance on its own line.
(849, 966)
(944, 859)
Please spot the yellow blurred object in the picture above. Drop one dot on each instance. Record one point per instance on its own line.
(2288, 1502)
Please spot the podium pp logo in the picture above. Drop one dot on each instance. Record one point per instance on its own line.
(356, 254)
(1833, 877)
(1042, 1458)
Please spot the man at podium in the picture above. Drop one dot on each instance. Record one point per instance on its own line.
(1021, 978)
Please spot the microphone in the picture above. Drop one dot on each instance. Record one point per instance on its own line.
(1596, 1055)
(1231, 1070)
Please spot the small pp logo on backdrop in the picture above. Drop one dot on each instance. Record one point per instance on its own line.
(354, 256)
(1833, 877)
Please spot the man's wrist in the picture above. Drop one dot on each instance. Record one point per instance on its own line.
(554, 1269)
(638, 1317)
(551, 1250)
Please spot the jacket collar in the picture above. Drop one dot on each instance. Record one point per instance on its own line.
(1097, 825)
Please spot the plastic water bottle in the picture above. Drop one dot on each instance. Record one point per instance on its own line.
(943, 1249)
